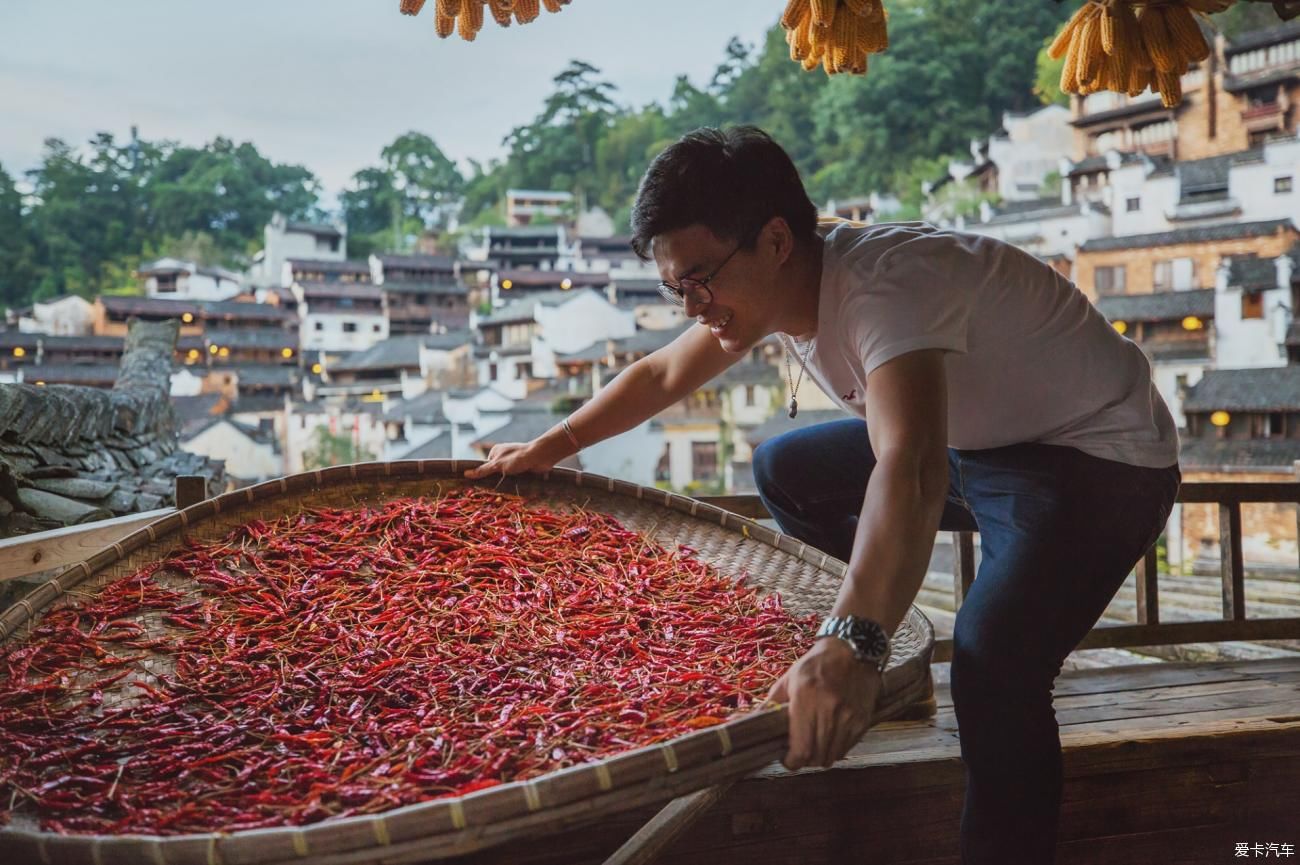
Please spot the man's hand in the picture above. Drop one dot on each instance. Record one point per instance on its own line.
(832, 696)
(513, 458)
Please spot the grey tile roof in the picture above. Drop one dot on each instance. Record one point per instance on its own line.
(525, 309)
(224, 310)
(400, 287)
(253, 337)
(355, 290)
(418, 262)
(1198, 234)
(313, 228)
(263, 375)
(1264, 389)
(1252, 273)
(92, 374)
(526, 278)
(1260, 38)
(423, 409)
(523, 426)
(1201, 177)
(257, 403)
(642, 342)
(1054, 210)
(1157, 306)
(749, 372)
(392, 353)
(437, 449)
(782, 423)
(324, 265)
(1209, 454)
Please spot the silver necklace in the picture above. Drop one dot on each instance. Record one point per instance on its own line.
(794, 385)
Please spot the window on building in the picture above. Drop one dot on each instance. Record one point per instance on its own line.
(1276, 427)
(1180, 384)
(1133, 205)
(166, 283)
(492, 372)
(1109, 280)
(749, 396)
(704, 461)
(318, 326)
(1162, 276)
(1282, 185)
(1252, 304)
(349, 327)
(376, 328)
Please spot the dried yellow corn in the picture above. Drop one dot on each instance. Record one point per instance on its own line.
(823, 12)
(412, 7)
(1107, 21)
(795, 11)
(1186, 33)
(502, 11)
(471, 19)
(552, 5)
(443, 25)
(1156, 40)
(1171, 88)
(448, 8)
(1061, 43)
(873, 35)
(843, 39)
(800, 40)
(527, 10)
(1090, 54)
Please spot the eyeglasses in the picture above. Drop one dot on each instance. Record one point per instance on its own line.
(697, 290)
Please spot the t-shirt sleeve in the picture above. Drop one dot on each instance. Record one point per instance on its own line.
(910, 301)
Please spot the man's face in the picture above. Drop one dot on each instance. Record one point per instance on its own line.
(738, 312)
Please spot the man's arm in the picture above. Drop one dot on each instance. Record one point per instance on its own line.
(831, 693)
(907, 420)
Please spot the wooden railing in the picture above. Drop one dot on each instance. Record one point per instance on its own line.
(30, 554)
(1149, 630)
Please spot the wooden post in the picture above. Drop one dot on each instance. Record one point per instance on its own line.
(1230, 564)
(190, 490)
(1148, 589)
(963, 566)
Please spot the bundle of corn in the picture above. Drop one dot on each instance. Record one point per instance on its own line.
(1128, 46)
(835, 34)
(466, 16)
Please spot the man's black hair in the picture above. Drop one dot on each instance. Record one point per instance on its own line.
(732, 181)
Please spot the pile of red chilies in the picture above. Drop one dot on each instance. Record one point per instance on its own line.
(341, 662)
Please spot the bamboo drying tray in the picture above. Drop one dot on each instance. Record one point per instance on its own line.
(807, 579)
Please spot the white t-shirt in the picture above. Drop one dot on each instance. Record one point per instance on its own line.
(1030, 359)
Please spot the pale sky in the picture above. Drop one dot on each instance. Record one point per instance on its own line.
(327, 83)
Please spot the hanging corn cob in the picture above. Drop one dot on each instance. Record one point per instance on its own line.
(466, 16)
(836, 35)
(1128, 46)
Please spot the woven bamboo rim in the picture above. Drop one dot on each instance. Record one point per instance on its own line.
(807, 578)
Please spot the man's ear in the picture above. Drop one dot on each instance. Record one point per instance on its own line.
(776, 240)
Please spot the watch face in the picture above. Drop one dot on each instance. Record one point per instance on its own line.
(871, 638)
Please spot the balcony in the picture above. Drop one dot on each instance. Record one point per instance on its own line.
(1265, 117)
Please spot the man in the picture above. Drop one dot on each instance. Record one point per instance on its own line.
(995, 397)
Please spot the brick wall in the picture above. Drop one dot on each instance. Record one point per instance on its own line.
(1268, 531)
(1140, 263)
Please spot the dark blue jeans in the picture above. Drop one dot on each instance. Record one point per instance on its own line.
(1060, 531)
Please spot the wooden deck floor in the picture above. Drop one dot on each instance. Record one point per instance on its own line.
(1167, 763)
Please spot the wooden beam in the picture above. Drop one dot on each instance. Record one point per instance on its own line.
(1171, 633)
(1231, 568)
(190, 490)
(1148, 589)
(58, 548)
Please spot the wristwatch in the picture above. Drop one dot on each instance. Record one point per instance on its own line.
(868, 639)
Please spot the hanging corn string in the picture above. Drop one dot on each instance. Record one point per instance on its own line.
(466, 16)
(1129, 46)
(836, 35)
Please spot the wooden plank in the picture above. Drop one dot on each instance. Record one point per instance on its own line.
(190, 490)
(1262, 491)
(963, 545)
(58, 548)
(1167, 633)
(1148, 589)
(1234, 589)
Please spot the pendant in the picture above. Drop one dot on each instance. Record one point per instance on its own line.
(794, 406)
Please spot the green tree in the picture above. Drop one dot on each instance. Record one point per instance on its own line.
(1047, 79)
(330, 449)
(17, 263)
(416, 188)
